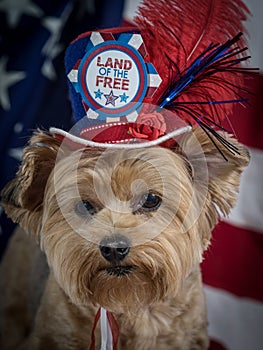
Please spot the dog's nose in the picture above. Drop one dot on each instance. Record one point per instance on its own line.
(114, 248)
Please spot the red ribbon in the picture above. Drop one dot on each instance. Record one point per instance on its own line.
(113, 327)
(115, 331)
(96, 319)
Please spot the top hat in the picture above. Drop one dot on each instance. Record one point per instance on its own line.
(146, 85)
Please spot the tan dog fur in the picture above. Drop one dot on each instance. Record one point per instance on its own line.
(159, 304)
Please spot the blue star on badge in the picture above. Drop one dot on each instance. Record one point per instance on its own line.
(110, 98)
(98, 94)
(123, 97)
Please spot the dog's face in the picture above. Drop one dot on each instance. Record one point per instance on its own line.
(123, 228)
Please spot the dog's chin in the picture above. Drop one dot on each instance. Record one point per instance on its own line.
(122, 288)
(118, 270)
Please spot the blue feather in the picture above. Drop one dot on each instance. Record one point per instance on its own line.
(214, 57)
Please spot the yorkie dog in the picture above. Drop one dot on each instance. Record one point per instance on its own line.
(118, 213)
(124, 230)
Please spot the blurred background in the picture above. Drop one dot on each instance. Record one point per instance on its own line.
(33, 93)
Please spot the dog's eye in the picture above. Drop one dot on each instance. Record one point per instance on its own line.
(150, 201)
(84, 207)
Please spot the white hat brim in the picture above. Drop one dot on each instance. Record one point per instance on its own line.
(85, 143)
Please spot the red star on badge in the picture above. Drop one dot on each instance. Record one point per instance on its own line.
(111, 98)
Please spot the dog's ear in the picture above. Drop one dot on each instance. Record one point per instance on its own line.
(22, 197)
(224, 166)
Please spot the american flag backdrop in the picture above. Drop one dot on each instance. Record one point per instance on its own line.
(33, 93)
(33, 89)
(233, 265)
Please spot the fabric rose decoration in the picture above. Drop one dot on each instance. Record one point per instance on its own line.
(149, 126)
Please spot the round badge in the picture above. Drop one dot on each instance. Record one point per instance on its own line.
(113, 79)
(114, 76)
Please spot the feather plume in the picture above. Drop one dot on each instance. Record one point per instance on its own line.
(181, 30)
(197, 48)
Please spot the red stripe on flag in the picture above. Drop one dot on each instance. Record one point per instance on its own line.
(234, 262)
(247, 122)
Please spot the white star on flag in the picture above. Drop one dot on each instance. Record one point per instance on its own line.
(7, 80)
(15, 9)
(16, 153)
(52, 47)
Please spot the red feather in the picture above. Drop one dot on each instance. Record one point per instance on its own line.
(183, 29)
(176, 32)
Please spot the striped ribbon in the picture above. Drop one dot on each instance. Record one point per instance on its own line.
(109, 330)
